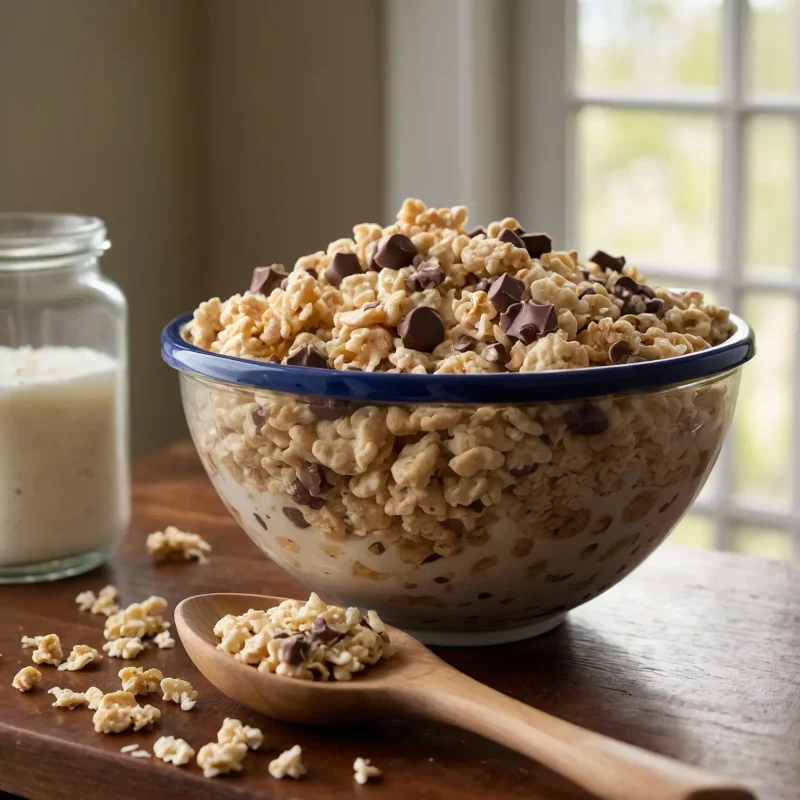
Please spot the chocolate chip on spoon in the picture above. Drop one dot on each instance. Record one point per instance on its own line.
(342, 265)
(537, 244)
(606, 261)
(506, 291)
(307, 356)
(429, 275)
(266, 280)
(396, 252)
(422, 329)
(507, 235)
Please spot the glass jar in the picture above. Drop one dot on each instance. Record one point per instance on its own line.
(64, 479)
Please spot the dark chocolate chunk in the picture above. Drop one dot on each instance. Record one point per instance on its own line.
(528, 321)
(519, 230)
(300, 494)
(313, 273)
(260, 521)
(477, 505)
(522, 472)
(506, 291)
(308, 356)
(589, 290)
(537, 244)
(396, 252)
(422, 329)
(312, 476)
(476, 231)
(655, 306)
(330, 408)
(463, 343)
(284, 283)
(587, 420)
(258, 417)
(429, 275)
(281, 635)
(604, 260)
(619, 352)
(266, 280)
(368, 306)
(365, 622)
(371, 251)
(294, 650)
(496, 354)
(342, 265)
(507, 235)
(295, 515)
(431, 557)
(483, 285)
(322, 632)
(625, 286)
(377, 548)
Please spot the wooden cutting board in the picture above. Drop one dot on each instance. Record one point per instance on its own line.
(695, 655)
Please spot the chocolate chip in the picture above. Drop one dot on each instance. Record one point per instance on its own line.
(312, 476)
(655, 306)
(587, 420)
(396, 252)
(300, 494)
(266, 280)
(476, 231)
(429, 275)
(537, 244)
(441, 579)
(342, 265)
(373, 264)
(322, 632)
(507, 235)
(368, 306)
(519, 231)
(377, 548)
(307, 356)
(483, 285)
(294, 650)
(281, 635)
(330, 408)
(463, 343)
(606, 261)
(260, 521)
(625, 286)
(295, 515)
(258, 417)
(527, 321)
(477, 505)
(313, 273)
(523, 472)
(506, 291)
(284, 283)
(422, 329)
(586, 292)
(619, 352)
(592, 277)
(430, 558)
(496, 354)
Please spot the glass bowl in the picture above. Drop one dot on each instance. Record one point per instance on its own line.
(470, 509)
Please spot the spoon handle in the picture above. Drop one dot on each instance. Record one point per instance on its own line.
(610, 769)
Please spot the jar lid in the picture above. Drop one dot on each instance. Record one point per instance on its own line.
(26, 237)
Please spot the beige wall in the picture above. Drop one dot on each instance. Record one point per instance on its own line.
(211, 136)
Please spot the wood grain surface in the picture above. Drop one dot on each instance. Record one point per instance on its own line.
(695, 655)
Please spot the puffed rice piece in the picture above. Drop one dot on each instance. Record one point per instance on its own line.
(177, 690)
(164, 640)
(219, 759)
(48, 650)
(173, 751)
(104, 602)
(128, 647)
(289, 763)
(364, 770)
(232, 730)
(138, 681)
(140, 754)
(138, 620)
(175, 544)
(93, 697)
(129, 748)
(66, 698)
(119, 711)
(80, 656)
(27, 678)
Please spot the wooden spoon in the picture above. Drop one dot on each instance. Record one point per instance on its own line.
(416, 683)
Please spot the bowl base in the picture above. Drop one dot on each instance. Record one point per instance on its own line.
(480, 638)
(55, 569)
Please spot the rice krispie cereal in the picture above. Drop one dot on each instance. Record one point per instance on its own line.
(457, 516)
(67, 698)
(104, 602)
(80, 657)
(48, 649)
(176, 545)
(127, 647)
(220, 759)
(26, 679)
(119, 711)
(364, 770)
(177, 690)
(288, 764)
(173, 751)
(232, 730)
(138, 620)
(308, 640)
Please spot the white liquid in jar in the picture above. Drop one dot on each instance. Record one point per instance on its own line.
(63, 461)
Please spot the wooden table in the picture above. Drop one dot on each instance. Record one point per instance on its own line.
(695, 655)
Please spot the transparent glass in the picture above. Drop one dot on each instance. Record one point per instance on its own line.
(64, 481)
(463, 524)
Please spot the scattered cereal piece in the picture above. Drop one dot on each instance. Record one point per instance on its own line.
(105, 602)
(164, 640)
(141, 754)
(173, 751)
(218, 759)
(175, 544)
(93, 697)
(66, 698)
(138, 620)
(232, 730)
(80, 656)
(119, 711)
(176, 690)
(142, 716)
(290, 763)
(129, 748)
(138, 681)
(85, 600)
(128, 647)
(31, 641)
(26, 679)
(48, 650)
(364, 770)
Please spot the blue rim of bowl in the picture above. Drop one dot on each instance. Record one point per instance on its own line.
(513, 387)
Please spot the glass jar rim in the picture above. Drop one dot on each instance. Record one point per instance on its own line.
(34, 239)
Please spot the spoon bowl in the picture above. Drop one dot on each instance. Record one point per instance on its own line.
(415, 683)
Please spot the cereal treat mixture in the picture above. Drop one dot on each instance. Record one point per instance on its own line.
(127, 647)
(176, 545)
(363, 771)
(140, 681)
(26, 679)
(176, 690)
(80, 656)
(219, 759)
(456, 516)
(119, 711)
(288, 764)
(173, 751)
(66, 698)
(309, 640)
(138, 620)
(232, 730)
(48, 649)
(104, 602)
(164, 640)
